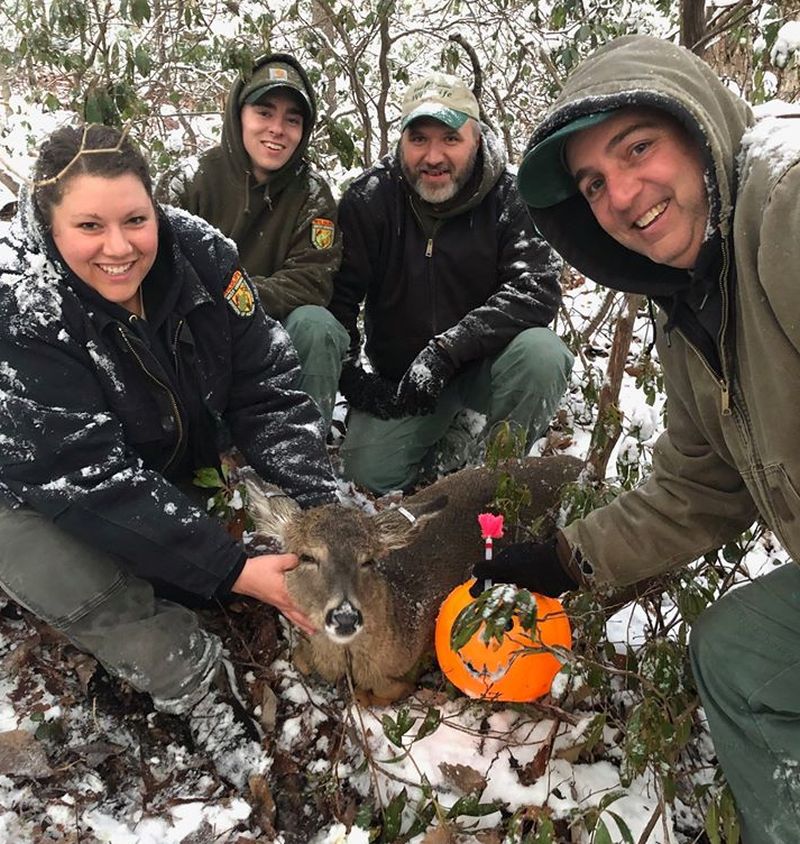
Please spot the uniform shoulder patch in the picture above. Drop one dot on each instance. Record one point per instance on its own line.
(322, 232)
(239, 295)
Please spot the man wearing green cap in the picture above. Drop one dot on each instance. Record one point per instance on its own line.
(650, 175)
(258, 188)
(458, 291)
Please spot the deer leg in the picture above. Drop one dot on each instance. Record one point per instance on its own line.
(302, 657)
(384, 692)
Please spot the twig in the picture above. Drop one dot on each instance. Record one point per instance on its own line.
(477, 74)
(82, 151)
(651, 823)
(367, 752)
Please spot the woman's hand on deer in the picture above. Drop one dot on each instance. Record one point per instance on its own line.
(264, 578)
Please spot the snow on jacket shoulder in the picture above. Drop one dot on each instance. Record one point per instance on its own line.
(76, 409)
(475, 277)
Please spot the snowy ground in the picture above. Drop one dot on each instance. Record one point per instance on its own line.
(84, 759)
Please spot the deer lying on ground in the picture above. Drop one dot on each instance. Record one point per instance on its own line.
(373, 583)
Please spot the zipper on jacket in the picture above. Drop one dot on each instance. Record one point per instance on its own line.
(175, 345)
(429, 242)
(725, 395)
(167, 390)
(722, 381)
(725, 402)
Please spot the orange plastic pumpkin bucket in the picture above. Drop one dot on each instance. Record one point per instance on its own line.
(502, 670)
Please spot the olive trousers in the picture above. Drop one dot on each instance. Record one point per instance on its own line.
(156, 645)
(321, 342)
(745, 653)
(523, 384)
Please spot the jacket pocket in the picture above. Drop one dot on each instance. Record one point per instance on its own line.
(778, 502)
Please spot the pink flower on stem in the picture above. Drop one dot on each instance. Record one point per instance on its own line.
(491, 525)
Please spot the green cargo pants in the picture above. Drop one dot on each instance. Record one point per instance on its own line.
(522, 384)
(154, 644)
(745, 653)
(321, 342)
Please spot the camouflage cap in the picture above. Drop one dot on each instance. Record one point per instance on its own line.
(440, 96)
(270, 76)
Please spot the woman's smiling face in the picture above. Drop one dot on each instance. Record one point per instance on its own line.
(106, 230)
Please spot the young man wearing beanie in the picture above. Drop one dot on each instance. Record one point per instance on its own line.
(458, 291)
(258, 188)
(650, 175)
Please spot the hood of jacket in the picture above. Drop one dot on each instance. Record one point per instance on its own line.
(639, 70)
(490, 164)
(29, 278)
(236, 157)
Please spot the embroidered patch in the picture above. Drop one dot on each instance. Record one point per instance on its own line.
(278, 74)
(239, 295)
(322, 231)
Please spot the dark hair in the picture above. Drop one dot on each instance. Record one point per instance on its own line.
(63, 156)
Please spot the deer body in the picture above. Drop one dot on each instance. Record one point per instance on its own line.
(373, 583)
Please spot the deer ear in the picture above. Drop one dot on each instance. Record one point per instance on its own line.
(272, 510)
(398, 526)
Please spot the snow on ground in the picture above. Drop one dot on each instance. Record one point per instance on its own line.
(104, 768)
(475, 742)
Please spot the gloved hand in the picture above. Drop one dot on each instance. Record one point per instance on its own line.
(419, 389)
(369, 392)
(535, 566)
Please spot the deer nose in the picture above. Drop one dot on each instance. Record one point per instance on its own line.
(344, 620)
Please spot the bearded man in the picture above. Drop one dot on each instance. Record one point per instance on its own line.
(458, 290)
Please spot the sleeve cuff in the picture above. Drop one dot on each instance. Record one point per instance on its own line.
(223, 591)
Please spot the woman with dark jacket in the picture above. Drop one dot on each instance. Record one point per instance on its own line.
(130, 337)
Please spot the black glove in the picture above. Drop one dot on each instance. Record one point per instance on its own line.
(535, 566)
(419, 389)
(369, 392)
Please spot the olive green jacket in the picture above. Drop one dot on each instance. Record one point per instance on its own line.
(730, 450)
(282, 227)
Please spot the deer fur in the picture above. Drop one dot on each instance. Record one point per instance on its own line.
(372, 584)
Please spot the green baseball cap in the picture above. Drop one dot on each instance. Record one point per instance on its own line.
(274, 75)
(441, 96)
(543, 178)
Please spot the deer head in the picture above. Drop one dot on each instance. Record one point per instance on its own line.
(338, 546)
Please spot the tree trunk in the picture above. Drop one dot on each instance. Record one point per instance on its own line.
(608, 427)
(693, 24)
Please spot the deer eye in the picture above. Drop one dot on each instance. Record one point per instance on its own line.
(308, 559)
(368, 564)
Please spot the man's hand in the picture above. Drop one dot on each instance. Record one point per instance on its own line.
(420, 387)
(535, 566)
(264, 578)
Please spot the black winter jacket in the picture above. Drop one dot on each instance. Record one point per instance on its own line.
(474, 276)
(100, 412)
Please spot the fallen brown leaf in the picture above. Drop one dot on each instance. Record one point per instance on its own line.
(463, 777)
(263, 802)
(439, 835)
(23, 756)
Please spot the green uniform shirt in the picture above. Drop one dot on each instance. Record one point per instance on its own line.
(285, 228)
